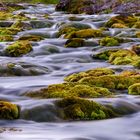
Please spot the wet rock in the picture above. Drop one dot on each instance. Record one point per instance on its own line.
(9, 111)
(101, 6)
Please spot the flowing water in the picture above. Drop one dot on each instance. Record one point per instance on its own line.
(52, 61)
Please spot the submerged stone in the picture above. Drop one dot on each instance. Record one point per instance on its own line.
(9, 111)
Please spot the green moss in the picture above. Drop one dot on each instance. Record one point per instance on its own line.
(81, 109)
(109, 41)
(134, 89)
(93, 72)
(86, 33)
(18, 48)
(6, 38)
(74, 43)
(9, 111)
(31, 38)
(70, 90)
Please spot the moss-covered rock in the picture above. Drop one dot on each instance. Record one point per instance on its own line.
(81, 109)
(86, 33)
(4, 38)
(134, 89)
(70, 90)
(124, 20)
(74, 42)
(18, 48)
(31, 38)
(109, 41)
(9, 111)
(93, 72)
(21, 25)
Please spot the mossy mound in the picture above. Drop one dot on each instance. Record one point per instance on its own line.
(18, 48)
(86, 33)
(109, 41)
(4, 38)
(31, 38)
(123, 20)
(70, 90)
(74, 42)
(93, 72)
(9, 111)
(81, 109)
(134, 89)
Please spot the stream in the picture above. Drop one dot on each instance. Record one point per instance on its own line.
(52, 61)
